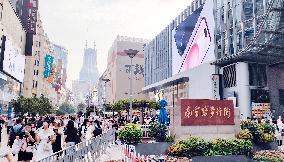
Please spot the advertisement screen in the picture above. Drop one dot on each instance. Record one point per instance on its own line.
(193, 39)
(14, 61)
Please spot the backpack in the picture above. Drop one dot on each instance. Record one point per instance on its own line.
(13, 135)
(98, 131)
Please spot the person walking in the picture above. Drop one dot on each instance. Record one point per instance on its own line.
(85, 130)
(27, 147)
(44, 137)
(71, 134)
(57, 143)
(115, 127)
(16, 130)
(10, 124)
(98, 129)
(2, 123)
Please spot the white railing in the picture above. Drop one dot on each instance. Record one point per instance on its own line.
(89, 150)
(146, 129)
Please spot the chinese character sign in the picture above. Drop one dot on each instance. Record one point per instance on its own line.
(29, 15)
(48, 65)
(137, 69)
(206, 112)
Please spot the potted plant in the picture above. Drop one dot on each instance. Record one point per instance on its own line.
(261, 134)
(130, 134)
(158, 131)
(162, 142)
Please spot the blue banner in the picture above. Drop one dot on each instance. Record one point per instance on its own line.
(48, 65)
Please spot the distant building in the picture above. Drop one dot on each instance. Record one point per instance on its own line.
(80, 91)
(89, 72)
(118, 71)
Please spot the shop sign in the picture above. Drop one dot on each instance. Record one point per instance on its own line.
(206, 112)
(260, 110)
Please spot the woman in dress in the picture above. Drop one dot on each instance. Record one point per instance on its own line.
(44, 138)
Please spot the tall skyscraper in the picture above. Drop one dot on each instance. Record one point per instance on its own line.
(89, 71)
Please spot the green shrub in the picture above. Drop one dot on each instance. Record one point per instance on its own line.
(158, 131)
(262, 132)
(170, 139)
(195, 146)
(267, 158)
(130, 134)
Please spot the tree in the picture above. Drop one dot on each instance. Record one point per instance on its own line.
(40, 105)
(81, 107)
(137, 104)
(66, 108)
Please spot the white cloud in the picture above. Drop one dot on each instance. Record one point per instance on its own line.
(71, 22)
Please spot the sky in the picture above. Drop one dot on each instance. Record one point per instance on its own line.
(70, 23)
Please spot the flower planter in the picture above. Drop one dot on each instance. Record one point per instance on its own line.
(228, 158)
(159, 148)
(258, 146)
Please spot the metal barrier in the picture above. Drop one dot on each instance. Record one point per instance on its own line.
(88, 150)
(146, 129)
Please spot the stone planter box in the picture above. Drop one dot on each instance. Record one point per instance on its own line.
(228, 158)
(159, 148)
(265, 146)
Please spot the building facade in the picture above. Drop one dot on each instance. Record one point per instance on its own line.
(13, 40)
(118, 71)
(248, 50)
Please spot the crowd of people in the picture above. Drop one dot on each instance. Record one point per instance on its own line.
(33, 137)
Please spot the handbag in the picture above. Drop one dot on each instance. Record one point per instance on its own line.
(30, 149)
(47, 146)
(16, 146)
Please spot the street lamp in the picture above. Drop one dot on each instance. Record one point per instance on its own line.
(131, 53)
(104, 99)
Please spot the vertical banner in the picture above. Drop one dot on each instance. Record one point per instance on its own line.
(216, 86)
(48, 66)
(52, 74)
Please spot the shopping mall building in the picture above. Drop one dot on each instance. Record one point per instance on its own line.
(221, 49)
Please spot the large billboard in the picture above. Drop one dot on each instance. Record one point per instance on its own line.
(29, 15)
(13, 62)
(193, 39)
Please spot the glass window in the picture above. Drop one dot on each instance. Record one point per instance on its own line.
(239, 41)
(238, 16)
(259, 8)
(248, 9)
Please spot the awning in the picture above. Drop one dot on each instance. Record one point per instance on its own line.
(178, 78)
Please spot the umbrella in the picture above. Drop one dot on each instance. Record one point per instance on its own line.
(163, 116)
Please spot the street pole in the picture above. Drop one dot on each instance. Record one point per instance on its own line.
(131, 96)
(104, 80)
(131, 53)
